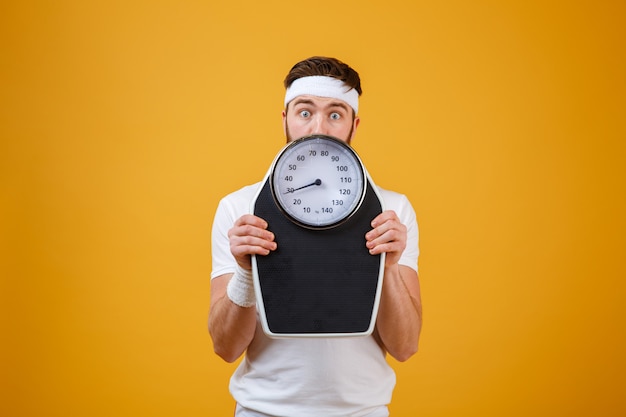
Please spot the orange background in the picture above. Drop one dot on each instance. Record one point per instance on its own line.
(123, 123)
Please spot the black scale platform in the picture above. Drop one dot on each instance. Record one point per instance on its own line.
(318, 282)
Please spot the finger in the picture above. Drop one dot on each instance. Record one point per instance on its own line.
(392, 250)
(250, 240)
(242, 254)
(245, 250)
(387, 247)
(391, 229)
(252, 220)
(250, 231)
(391, 236)
(383, 217)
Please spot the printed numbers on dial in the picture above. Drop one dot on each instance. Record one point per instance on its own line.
(318, 181)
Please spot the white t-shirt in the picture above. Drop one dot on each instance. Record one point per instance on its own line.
(309, 377)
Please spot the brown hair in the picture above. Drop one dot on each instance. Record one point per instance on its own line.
(330, 67)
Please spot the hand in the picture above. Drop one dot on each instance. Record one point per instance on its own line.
(388, 235)
(249, 236)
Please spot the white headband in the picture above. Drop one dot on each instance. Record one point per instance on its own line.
(323, 86)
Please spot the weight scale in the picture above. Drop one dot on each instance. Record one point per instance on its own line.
(321, 281)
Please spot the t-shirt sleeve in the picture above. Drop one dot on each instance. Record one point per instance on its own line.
(223, 262)
(403, 208)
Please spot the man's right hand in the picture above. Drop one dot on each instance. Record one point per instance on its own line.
(249, 236)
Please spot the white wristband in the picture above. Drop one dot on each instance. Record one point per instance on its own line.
(240, 288)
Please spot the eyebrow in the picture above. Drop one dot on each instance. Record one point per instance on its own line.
(310, 102)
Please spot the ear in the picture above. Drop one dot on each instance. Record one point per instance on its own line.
(284, 122)
(357, 122)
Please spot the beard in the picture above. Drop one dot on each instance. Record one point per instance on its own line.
(290, 138)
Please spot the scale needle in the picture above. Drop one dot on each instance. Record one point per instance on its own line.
(316, 182)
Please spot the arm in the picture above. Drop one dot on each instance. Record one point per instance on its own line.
(399, 319)
(232, 326)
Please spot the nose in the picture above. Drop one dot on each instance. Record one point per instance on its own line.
(320, 125)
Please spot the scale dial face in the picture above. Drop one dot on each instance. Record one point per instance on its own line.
(318, 181)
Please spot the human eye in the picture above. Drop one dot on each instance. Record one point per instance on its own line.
(305, 113)
(335, 116)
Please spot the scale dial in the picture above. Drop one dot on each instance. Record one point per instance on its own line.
(318, 181)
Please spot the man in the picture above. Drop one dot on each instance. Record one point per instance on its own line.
(314, 377)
